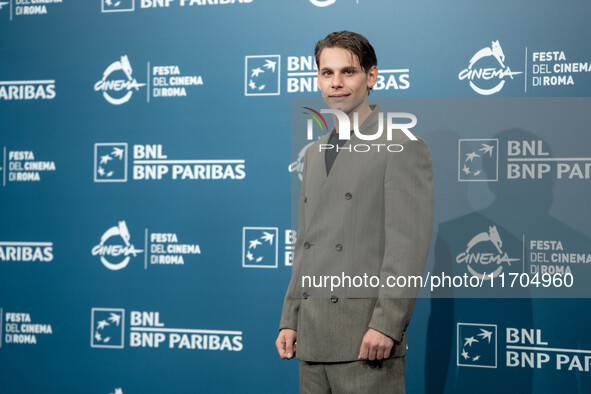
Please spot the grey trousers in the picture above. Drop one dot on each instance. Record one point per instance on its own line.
(375, 377)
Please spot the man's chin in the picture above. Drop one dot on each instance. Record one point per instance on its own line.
(341, 104)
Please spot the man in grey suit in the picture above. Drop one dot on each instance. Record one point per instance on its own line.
(362, 214)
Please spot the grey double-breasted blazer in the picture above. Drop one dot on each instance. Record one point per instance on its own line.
(371, 215)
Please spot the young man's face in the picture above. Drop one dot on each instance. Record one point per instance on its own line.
(342, 81)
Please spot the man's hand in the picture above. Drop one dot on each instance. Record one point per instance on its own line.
(286, 343)
(375, 346)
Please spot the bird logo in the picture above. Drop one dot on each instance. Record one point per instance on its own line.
(262, 75)
(474, 155)
(477, 345)
(260, 247)
(107, 327)
(110, 162)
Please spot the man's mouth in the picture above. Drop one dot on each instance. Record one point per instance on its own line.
(339, 96)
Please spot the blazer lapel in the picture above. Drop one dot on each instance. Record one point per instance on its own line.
(319, 185)
(315, 178)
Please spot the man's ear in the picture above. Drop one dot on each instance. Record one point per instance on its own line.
(372, 76)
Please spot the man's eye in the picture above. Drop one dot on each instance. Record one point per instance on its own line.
(326, 73)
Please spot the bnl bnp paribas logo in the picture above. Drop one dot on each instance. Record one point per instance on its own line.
(151, 163)
(129, 5)
(146, 329)
(260, 247)
(110, 162)
(487, 72)
(477, 345)
(262, 76)
(107, 328)
(115, 248)
(117, 5)
(26, 251)
(27, 90)
(478, 160)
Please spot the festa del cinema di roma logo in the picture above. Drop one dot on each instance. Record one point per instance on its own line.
(118, 91)
(475, 75)
(110, 248)
(478, 256)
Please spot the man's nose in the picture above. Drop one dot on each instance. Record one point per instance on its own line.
(337, 81)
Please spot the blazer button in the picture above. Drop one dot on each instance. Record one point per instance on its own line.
(348, 196)
(305, 295)
(307, 245)
(334, 299)
(339, 247)
(305, 199)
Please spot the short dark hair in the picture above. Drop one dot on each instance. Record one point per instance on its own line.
(354, 42)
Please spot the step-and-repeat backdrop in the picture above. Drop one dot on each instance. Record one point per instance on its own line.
(147, 170)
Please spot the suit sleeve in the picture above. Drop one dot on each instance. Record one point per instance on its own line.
(408, 199)
(291, 302)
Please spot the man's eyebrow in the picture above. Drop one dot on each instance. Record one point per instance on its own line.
(345, 68)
